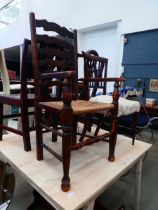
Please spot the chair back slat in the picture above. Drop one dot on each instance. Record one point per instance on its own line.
(55, 51)
(55, 41)
(50, 26)
(51, 64)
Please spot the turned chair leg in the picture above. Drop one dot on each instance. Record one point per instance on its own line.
(66, 151)
(74, 130)
(25, 128)
(113, 138)
(55, 126)
(134, 125)
(54, 121)
(67, 127)
(99, 125)
(39, 137)
(86, 127)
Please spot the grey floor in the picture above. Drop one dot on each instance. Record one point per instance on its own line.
(122, 192)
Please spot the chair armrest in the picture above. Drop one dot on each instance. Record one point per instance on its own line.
(110, 79)
(79, 55)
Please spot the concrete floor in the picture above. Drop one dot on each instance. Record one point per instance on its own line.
(122, 192)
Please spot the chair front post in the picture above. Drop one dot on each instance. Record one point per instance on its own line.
(66, 120)
(39, 139)
(114, 123)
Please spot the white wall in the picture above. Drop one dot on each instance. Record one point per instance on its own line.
(106, 40)
(53, 10)
(136, 15)
(103, 40)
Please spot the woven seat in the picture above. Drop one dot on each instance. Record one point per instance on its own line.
(79, 106)
(126, 107)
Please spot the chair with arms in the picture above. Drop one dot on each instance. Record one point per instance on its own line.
(55, 56)
(93, 69)
(22, 100)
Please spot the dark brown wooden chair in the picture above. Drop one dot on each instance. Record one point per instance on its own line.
(95, 77)
(22, 101)
(55, 57)
(94, 68)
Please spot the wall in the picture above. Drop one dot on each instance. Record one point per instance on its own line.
(136, 15)
(140, 60)
(106, 39)
(103, 40)
(50, 9)
(3, 3)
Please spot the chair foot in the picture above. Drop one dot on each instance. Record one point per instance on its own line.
(111, 158)
(1, 134)
(65, 186)
(27, 148)
(54, 138)
(39, 152)
(40, 157)
(26, 141)
(133, 142)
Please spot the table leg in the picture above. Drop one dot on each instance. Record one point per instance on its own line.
(39, 203)
(138, 185)
(89, 206)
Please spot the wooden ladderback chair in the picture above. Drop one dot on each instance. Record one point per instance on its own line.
(95, 78)
(21, 100)
(96, 67)
(55, 63)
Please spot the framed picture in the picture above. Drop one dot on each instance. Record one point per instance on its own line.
(153, 86)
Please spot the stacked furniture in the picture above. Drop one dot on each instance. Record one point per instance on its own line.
(55, 64)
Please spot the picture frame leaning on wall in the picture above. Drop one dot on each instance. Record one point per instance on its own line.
(153, 85)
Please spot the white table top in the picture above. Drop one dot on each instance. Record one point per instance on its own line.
(90, 171)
